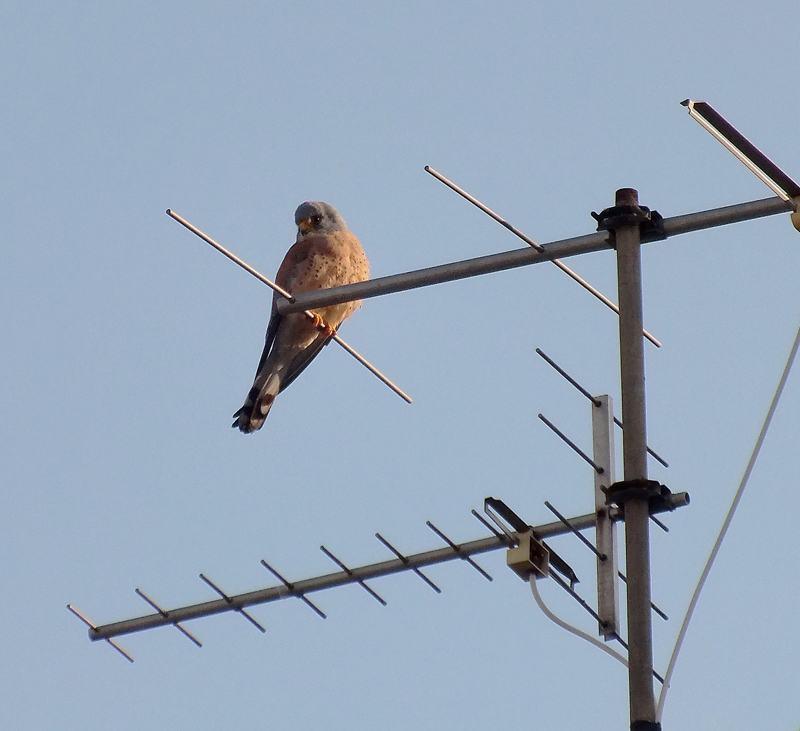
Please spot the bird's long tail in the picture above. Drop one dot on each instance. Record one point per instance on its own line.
(256, 406)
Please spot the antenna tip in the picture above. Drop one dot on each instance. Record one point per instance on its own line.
(427, 168)
(627, 197)
(169, 212)
(686, 102)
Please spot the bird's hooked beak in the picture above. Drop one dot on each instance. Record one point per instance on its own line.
(304, 226)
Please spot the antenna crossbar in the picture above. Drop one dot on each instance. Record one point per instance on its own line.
(561, 249)
(286, 295)
(593, 399)
(528, 240)
(341, 578)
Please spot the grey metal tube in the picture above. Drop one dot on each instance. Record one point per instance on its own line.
(446, 272)
(523, 257)
(725, 215)
(634, 441)
(274, 593)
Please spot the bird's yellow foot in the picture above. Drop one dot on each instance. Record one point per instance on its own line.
(322, 325)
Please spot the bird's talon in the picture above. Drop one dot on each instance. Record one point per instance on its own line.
(320, 324)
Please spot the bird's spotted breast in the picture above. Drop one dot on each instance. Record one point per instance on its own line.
(325, 255)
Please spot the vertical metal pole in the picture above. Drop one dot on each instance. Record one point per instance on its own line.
(605, 530)
(634, 436)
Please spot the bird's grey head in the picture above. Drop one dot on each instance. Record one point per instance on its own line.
(317, 218)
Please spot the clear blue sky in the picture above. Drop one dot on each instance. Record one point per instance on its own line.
(128, 343)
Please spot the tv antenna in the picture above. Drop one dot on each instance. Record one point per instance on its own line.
(635, 500)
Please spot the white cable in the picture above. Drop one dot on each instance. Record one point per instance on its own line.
(725, 526)
(574, 630)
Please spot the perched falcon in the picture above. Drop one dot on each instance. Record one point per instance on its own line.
(325, 255)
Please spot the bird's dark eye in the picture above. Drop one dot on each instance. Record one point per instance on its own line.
(316, 220)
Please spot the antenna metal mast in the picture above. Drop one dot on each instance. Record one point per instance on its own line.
(634, 492)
